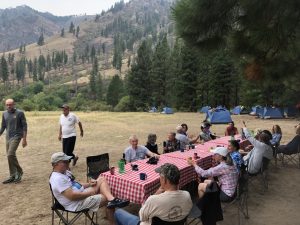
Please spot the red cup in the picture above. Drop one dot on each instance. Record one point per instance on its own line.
(112, 170)
(195, 155)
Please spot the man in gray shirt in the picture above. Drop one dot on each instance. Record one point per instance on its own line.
(14, 121)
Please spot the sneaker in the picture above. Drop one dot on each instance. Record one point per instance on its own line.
(18, 177)
(75, 160)
(116, 202)
(9, 180)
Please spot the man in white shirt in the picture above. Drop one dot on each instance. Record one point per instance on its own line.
(75, 196)
(67, 131)
(168, 203)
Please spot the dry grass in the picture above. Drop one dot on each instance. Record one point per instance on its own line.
(29, 201)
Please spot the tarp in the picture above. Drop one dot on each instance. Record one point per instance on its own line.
(271, 113)
(205, 109)
(218, 116)
(167, 110)
(239, 110)
(153, 109)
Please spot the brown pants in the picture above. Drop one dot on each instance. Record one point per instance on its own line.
(13, 164)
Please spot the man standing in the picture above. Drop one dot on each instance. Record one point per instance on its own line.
(67, 131)
(168, 203)
(14, 121)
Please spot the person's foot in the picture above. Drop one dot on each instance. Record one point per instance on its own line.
(18, 177)
(116, 202)
(9, 180)
(75, 160)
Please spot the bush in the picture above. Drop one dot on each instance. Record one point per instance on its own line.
(123, 105)
(27, 105)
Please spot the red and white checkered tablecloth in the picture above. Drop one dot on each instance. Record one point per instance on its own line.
(129, 186)
(224, 141)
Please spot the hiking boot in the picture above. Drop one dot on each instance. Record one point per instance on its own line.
(18, 177)
(75, 160)
(9, 180)
(116, 202)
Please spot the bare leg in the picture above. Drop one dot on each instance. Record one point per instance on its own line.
(103, 188)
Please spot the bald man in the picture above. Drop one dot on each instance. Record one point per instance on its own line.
(14, 122)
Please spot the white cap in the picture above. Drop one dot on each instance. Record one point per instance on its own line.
(59, 156)
(221, 151)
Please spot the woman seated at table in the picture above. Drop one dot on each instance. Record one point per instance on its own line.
(225, 171)
(206, 134)
(172, 144)
(136, 152)
(231, 130)
(276, 135)
(293, 146)
(151, 143)
(233, 149)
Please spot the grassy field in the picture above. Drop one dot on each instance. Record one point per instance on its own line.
(29, 201)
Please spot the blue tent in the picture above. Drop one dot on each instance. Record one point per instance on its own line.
(218, 116)
(290, 111)
(153, 109)
(271, 113)
(239, 110)
(167, 110)
(205, 109)
(257, 110)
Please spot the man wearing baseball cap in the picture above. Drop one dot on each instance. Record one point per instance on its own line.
(67, 131)
(226, 172)
(168, 203)
(75, 196)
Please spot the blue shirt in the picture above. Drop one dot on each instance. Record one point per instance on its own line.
(275, 139)
(237, 159)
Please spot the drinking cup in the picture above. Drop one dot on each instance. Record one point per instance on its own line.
(143, 176)
(112, 170)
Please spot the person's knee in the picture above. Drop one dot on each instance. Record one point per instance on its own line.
(118, 214)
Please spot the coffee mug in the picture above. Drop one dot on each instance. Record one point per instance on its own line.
(135, 167)
(143, 176)
(112, 170)
(182, 150)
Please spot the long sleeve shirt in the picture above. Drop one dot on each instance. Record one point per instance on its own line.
(227, 176)
(14, 123)
(275, 139)
(254, 158)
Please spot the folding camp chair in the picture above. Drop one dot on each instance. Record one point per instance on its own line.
(95, 165)
(293, 159)
(241, 198)
(263, 174)
(63, 214)
(158, 221)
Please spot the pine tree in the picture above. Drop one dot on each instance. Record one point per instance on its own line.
(4, 70)
(62, 33)
(115, 91)
(93, 78)
(35, 69)
(77, 31)
(71, 28)
(41, 40)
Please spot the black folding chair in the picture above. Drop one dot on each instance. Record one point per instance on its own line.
(293, 159)
(263, 174)
(95, 165)
(63, 214)
(158, 221)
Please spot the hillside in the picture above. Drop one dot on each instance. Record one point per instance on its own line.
(23, 25)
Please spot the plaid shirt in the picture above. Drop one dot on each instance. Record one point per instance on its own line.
(227, 176)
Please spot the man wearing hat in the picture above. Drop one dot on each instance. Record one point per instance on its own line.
(75, 196)
(67, 131)
(168, 203)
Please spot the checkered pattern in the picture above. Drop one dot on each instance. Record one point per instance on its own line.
(129, 186)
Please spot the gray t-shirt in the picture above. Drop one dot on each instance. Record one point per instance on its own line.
(184, 140)
(14, 123)
(255, 156)
(132, 155)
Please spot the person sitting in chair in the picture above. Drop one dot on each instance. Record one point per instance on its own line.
(172, 144)
(261, 148)
(231, 130)
(276, 135)
(293, 146)
(233, 149)
(206, 134)
(136, 152)
(74, 196)
(151, 145)
(168, 203)
(225, 171)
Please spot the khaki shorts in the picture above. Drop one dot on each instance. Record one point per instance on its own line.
(92, 203)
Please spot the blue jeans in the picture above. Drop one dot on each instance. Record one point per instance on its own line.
(125, 218)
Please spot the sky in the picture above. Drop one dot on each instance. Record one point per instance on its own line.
(63, 7)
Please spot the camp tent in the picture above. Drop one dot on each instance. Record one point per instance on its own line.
(257, 110)
(271, 113)
(205, 109)
(220, 116)
(239, 110)
(167, 110)
(290, 111)
(153, 109)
